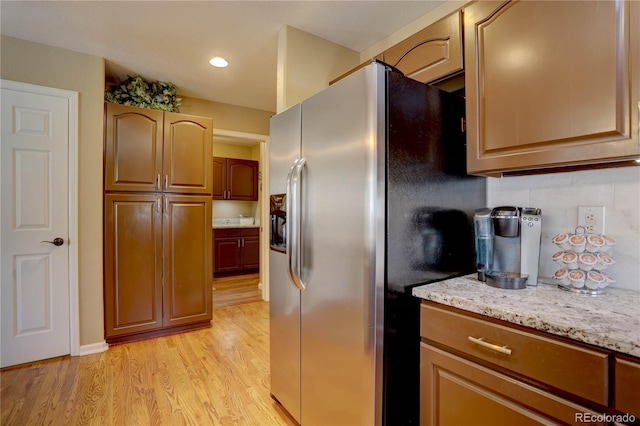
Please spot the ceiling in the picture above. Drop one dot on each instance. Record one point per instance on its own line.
(173, 40)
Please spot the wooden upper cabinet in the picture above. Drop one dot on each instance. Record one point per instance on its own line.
(148, 150)
(235, 179)
(133, 148)
(430, 54)
(187, 150)
(551, 84)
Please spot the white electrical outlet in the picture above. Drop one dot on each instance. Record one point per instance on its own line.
(591, 218)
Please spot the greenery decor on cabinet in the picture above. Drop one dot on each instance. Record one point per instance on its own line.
(135, 91)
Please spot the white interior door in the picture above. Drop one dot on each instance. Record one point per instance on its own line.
(34, 193)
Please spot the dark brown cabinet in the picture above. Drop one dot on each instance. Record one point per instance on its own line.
(148, 150)
(551, 84)
(157, 221)
(430, 54)
(236, 249)
(235, 179)
(480, 370)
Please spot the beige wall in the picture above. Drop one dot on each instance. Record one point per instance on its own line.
(306, 65)
(229, 117)
(42, 65)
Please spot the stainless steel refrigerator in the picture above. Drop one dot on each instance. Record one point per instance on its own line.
(369, 198)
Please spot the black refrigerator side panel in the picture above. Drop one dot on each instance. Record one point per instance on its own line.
(430, 204)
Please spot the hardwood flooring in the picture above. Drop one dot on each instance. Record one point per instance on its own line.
(236, 289)
(215, 376)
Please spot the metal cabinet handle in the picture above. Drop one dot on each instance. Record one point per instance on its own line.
(158, 181)
(480, 341)
(56, 241)
(166, 182)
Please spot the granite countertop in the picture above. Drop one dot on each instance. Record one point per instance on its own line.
(610, 320)
(235, 222)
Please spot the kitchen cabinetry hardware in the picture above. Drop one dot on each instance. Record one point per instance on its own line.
(480, 341)
(56, 241)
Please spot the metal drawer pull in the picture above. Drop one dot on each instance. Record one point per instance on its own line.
(480, 341)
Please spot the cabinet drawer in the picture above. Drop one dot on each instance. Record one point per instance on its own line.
(581, 371)
(236, 232)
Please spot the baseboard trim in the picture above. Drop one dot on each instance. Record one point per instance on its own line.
(93, 348)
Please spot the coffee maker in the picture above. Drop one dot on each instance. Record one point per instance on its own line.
(508, 246)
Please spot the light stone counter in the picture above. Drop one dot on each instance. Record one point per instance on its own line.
(610, 320)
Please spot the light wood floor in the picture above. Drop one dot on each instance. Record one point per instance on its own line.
(236, 289)
(215, 376)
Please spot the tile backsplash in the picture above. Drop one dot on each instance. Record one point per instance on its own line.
(560, 194)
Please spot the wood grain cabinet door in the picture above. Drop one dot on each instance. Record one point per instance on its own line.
(227, 254)
(250, 252)
(133, 148)
(187, 154)
(551, 83)
(242, 179)
(187, 259)
(430, 54)
(133, 263)
(219, 171)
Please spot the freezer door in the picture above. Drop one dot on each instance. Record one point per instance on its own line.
(343, 249)
(284, 300)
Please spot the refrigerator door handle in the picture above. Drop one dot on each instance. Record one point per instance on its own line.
(298, 223)
(293, 218)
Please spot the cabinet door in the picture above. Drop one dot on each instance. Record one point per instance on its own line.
(133, 263)
(227, 254)
(187, 154)
(133, 148)
(250, 252)
(187, 259)
(242, 179)
(551, 84)
(627, 386)
(219, 172)
(430, 54)
(456, 391)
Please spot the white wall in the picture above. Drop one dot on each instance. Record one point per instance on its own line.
(560, 194)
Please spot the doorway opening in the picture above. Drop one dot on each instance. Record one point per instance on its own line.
(250, 285)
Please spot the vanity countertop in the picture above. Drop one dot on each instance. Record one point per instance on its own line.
(610, 320)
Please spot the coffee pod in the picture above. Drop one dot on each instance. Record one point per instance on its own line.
(608, 279)
(562, 241)
(608, 243)
(562, 275)
(594, 243)
(557, 257)
(570, 260)
(586, 261)
(594, 280)
(576, 278)
(578, 243)
(604, 261)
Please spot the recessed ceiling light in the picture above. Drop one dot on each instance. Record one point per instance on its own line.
(218, 62)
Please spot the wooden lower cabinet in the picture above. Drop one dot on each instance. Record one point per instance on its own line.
(476, 371)
(627, 385)
(157, 268)
(236, 249)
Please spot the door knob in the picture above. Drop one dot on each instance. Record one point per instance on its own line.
(56, 241)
